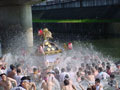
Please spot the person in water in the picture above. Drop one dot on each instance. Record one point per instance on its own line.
(98, 84)
(112, 82)
(102, 75)
(47, 84)
(90, 77)
(91, 87)
(108, 70)
(25, 84)
(67, 85)
(18, 76)
(35, 76)
(7, 82)
(12, 72)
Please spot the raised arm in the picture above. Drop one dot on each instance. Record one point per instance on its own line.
(116, 86)
(43, 83)
(81, 87)
(33, 85)
(12, 80)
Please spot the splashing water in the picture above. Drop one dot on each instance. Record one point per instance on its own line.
(81, 53)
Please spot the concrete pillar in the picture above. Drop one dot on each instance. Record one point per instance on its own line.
(16, 26)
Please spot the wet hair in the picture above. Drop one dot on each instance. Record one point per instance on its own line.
(93, 64)
(51, 72)
(97, 80)
(93, 87)
(78, 74)
(12, 67)
(89, 68)
(100, 69)
(82, 65)
(56, 71)
(103, 63)
(96, 67)
(108, 64)
(25, 78)
(66, 76)
(63, 70)
(80, 69)
(112, 76)
(2, 74)
(66, 82)
(89, 72)
(87, 65)
(35, 69)
(86, 71)
(108, 67)
(29, 78)
(89, 88)
(82, 78)
(18, 70)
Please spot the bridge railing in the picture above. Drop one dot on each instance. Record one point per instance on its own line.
(75, 3)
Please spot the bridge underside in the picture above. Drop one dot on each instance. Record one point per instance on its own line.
(104, 13)
(100, 12)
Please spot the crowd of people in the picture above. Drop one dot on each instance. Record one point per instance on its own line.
(94, 74)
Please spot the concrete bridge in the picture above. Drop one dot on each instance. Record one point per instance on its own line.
(60, 4)
(16, 20)
(106, 10)
(78, 9)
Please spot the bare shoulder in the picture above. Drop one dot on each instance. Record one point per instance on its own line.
(63, 88)
(101, 86)
(1, 83)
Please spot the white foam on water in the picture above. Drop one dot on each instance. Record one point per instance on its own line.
(81, 53)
